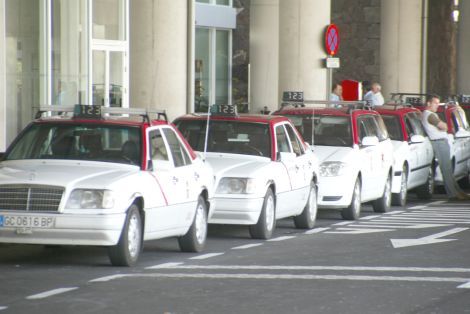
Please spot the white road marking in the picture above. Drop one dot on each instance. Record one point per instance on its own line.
(430, 239)
(465, 286)
(344, 223)
(108, 278)
(334, 268)
(436, 203)
(206, 256)
(357, 231)
(164, 265)
(417, 207)
(304, 277)
(395, 212)
(247, 246)
(439, 215)
(370, 217)
(377, 224)
(47, 294)
(428, 220)
(3, 308)
(316, 230)
(281, 238)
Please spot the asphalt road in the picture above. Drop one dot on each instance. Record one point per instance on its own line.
(338, 267)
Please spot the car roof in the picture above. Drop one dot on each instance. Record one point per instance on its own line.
(124, 121)
(252, 118)
(394, 109)
(346, 112)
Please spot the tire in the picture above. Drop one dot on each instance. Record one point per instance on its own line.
(353, 211)
(382, 204)
(399, 199)
(426, 190)
(195, 239)
(264, 228)
(306, 220)
(127, 251)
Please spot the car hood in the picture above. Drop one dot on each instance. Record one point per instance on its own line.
(235, 165)
(332, 153)
(63, 173)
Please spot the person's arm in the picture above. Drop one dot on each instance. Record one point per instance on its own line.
(438, 123)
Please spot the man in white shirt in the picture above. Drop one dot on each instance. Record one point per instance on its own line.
(336, 92)
(437, 132)
(374, 96)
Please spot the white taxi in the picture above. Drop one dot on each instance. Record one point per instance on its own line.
(264, 170)
(355, 153)
(93, 179)
(414, 166)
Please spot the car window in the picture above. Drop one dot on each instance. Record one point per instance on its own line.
(282, 140)
(94, 142)
(394, 127)
(234, 137)
(177, 149)
(295, 142)
(414, 124)
(382, 132)
(158, 150)
(367, 127)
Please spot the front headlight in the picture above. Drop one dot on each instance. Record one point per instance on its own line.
(236, 186)
(332, 168)
(90, 199)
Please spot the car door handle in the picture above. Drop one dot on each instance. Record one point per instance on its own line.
(175, 180)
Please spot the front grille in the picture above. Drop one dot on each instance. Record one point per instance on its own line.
(30, 197)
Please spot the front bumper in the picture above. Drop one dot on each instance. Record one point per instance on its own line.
(236, 211)
(335, 192)
(69, 229)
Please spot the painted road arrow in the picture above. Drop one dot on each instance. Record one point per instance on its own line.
(431, 239)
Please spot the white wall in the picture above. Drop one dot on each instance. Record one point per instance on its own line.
(463, 52)
(2, 78)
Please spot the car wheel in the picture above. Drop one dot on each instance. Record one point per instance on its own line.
(195, 239)
(426, 190)
(127, 251)
(264, 228)
(353, 211)
(306, 220)
(382, 205)
(399, 199)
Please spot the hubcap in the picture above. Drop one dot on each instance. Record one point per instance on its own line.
(312, 204)
(357, 198)
(201, 224)
(133, 236)
(269, 213)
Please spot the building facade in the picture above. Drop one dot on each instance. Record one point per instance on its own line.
(184, 55)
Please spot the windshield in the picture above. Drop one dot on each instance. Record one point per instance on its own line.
(327, 130)
(234, 137)
(119, 144)
(393, 127)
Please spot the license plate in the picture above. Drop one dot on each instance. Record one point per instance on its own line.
(26, 221)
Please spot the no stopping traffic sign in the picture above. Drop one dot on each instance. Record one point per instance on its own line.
(332, 39)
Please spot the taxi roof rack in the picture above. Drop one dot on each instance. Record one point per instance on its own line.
(414, 99)
(350, 105)
(144, 113)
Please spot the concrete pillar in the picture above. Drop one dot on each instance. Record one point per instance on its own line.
(302, 25)
(158, 55)
(3, 99)
(264, 54)
(400, 46)
(463, 55)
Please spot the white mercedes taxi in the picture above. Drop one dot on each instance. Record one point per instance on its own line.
(414, 165)
(96, 179)
(264, 170)
(355, 153)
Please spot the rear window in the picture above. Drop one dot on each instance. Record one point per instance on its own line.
(235, 137)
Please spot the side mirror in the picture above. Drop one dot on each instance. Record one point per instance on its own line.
(416, 139)
(370, 141)
(282, 156)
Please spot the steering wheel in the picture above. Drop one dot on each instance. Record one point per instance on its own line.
(253, 149)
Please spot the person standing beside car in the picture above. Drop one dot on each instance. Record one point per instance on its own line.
(437, 132)
(374, 96)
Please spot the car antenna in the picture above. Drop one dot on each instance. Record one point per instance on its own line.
(207, 130)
